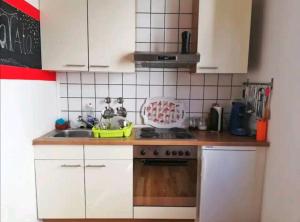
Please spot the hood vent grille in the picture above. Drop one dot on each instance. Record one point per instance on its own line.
(165, 60)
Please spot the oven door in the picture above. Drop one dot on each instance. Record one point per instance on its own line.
(165, 182)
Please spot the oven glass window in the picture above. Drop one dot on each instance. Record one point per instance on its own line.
(165, 182)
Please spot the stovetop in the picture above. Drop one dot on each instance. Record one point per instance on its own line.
(156, 133)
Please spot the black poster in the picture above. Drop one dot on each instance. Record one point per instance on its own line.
(20, 43)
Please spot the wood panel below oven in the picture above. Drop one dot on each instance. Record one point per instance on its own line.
(114, 220)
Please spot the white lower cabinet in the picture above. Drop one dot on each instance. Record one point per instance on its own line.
(60, 188)
(231, 184)
(84, 188)
(109, 188)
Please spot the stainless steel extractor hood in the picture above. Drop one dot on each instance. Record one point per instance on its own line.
(166, 59)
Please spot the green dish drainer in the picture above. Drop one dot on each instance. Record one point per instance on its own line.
(117, 133)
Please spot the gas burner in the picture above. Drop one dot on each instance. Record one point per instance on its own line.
(150, 134)
(183, 135)
(177, 130)
(148, 129)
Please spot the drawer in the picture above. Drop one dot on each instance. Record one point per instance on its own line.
(56, 152)
(110, 152)
(164, 212)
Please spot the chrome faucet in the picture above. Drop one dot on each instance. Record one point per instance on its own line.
(87, 123)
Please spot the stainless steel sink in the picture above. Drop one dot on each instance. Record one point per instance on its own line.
(73, 133)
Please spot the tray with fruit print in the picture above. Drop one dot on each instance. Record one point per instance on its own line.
(163, 112)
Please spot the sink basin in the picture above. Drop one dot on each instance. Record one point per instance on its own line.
(73, 133)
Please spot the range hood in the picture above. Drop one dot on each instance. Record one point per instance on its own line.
(165, 59)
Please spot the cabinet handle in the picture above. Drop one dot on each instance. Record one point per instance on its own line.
(208, 67)
(99, 66)
(75, 65)
(66, 165)
(95, 166)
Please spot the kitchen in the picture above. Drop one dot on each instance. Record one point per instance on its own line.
(84, 72)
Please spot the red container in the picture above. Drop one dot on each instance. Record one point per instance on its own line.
(261, 130)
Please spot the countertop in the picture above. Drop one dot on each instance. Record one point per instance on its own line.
(202, 138)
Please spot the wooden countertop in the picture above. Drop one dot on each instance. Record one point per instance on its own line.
(203, 138)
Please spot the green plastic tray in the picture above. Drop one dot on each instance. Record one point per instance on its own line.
(125, 132)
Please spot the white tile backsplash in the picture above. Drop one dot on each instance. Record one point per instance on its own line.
(143, 5)
(156, 78)
(170, 78)
(210, 92)
(184, 78)
(129, 91)
(87, 78)
(74, 77)
(115, 78)
(170, 91)
(115, 91)
(186, 6)
(159, 27)
(157, 21)
(143, 91)
(183, 92)
(157, 35)
(143, 78)
(143, 20)
(171, 21)
(129, 78)
(101, 90)
(197, 92)
(88, 90)
(74, 90)
(157, 6)
(185, 21)
(156, 91)
(101, 78)
(172, 6)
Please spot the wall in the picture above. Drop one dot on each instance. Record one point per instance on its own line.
(159, 24)
(28, 109)
(275, 52)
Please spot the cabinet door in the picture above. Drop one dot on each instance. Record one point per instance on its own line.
(60, 188)
(223, 36)
(64, 35)
(111, 35)
(229, 186)
(109, 188)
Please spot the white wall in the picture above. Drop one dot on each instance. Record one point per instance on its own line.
(275, 53)
(28, 109)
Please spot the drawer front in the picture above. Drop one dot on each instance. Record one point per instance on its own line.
(164, 212)
(108, 152)
(57, 152)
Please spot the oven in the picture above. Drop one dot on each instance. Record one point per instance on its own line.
(165, 176)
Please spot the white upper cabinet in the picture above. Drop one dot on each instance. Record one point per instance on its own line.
(64, 35)
(88, 35)
(111, 35)
(223, 35)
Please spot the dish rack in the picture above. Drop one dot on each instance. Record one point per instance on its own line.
(116, 133)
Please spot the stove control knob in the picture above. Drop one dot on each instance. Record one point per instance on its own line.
(180, 153)
(174, 153)
(155, 152)
(187, 153)
(168, 153)
(143, 152)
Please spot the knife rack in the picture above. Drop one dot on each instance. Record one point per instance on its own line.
(248, 83)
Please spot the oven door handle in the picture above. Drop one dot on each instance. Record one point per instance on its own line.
(163, 162)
